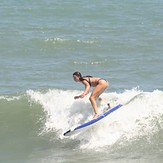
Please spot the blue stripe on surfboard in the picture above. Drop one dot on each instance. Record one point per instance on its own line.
(94, 120)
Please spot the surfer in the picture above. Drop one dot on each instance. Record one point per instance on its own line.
(99, 85)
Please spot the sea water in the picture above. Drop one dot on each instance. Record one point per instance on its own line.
(43, 42)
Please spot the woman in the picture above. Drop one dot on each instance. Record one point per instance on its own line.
(99, 85)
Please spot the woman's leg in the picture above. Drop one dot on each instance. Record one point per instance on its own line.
(97, 91)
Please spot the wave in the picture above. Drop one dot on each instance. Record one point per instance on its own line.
(18, 114)
(54, 111)
(61, 41)
(141, 117)
(91, 62)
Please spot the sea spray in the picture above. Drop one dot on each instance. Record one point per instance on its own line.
(141, 117)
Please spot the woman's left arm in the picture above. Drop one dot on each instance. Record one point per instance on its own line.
(86, 91)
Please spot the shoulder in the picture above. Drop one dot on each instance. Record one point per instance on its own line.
(85, 81)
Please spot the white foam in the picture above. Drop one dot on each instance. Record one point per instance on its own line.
(10, 98)
(137, 118)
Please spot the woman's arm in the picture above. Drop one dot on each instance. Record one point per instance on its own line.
(86, 91)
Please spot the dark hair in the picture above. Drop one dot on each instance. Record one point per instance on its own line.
(78, 74)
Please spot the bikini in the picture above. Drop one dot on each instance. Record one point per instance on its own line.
(89, 80)
(101, 79)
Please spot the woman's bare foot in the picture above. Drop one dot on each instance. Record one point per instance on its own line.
(96, 115)
(100, 99)
(108, 104)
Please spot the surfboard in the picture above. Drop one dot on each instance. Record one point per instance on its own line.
(67, 133)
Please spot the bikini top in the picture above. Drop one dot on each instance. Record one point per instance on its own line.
(89, 80)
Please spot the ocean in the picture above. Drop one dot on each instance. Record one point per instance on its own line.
(43, 43)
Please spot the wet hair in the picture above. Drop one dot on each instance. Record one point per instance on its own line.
(78, 74)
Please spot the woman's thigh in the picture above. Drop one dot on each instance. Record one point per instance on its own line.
(98, 90)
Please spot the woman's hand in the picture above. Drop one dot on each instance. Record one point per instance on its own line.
(80, 96)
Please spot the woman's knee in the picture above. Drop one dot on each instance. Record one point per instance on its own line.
(91, 98)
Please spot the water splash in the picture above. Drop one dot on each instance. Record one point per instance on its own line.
(141, 117)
